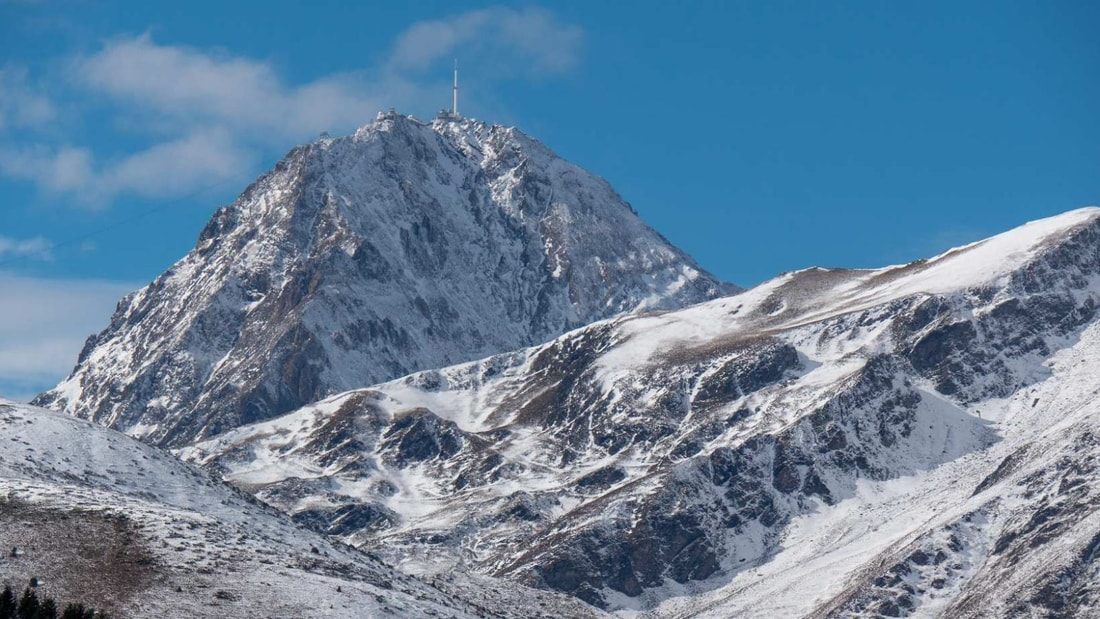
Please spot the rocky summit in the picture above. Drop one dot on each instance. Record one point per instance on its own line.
(404, 247)
(917, 440)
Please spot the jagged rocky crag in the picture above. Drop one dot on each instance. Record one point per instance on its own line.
(915, 440)
(403, 247)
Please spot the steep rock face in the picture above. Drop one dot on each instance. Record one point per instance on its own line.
(1012, 532)
(721, 459)
(359, 259)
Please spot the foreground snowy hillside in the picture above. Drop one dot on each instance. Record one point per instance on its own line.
(918, 440)
(106, 520)
(403, 247)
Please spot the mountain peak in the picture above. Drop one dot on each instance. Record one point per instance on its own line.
(404, 246)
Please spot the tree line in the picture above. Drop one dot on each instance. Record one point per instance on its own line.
(29, 606)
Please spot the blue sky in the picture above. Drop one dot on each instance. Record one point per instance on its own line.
(758, 136)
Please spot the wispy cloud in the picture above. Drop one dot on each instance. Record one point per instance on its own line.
(44, 322)
(165, 169)
(38, 248)
(527, 39)
(21, 104)
(62, 170)
(194, 87)
(207, 115)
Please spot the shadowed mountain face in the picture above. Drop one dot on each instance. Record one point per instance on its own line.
(829, 444)
(404, 247)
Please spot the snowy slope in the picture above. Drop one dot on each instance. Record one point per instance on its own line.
(102, 518)
(805, 448)
(359, 259)
(1011, 530)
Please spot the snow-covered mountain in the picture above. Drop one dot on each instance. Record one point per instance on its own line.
(918, 440)
(403, 247)
(107, 520)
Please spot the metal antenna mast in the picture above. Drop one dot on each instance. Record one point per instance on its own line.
(454, 106)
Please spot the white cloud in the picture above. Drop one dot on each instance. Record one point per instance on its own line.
(37, 247)
(20, 104)
(532, 39)
(208, 115)
(166, 169)
(172, 167)
(62, 170)
(194, 86)
(43, 325)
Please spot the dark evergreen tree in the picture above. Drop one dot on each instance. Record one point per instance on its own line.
(47, 609)
(79, 611)
(28, 605)
(7, 603)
